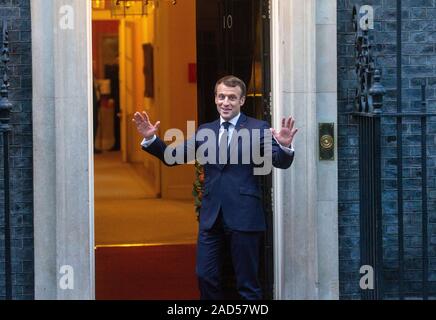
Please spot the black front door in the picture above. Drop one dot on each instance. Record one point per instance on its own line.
(233, 38)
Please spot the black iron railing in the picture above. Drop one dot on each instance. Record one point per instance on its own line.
(370, 118)
(368, 104)
(5, 128)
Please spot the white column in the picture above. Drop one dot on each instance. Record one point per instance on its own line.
(305, 197)
(295, 190)
(63, 156)
(326, 99)
(44, 152)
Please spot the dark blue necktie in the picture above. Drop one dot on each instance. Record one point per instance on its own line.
(224, 143)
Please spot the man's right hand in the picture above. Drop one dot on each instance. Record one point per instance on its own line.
(144, 126)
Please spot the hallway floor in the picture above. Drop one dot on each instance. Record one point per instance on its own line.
(145, 247)
(127, 213)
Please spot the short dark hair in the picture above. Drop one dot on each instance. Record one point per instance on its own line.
(232, 81)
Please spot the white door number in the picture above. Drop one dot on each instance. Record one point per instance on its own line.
(228, 21)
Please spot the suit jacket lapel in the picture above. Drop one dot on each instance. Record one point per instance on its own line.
(239, 125)
(216, 128)
(241, 122)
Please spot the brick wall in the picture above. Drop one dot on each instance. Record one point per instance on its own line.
(17, 15)
(419, 64)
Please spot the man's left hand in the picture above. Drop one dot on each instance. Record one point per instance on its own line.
(286, 134)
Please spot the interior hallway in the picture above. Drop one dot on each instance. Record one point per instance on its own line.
(127, 213)
(145, 247)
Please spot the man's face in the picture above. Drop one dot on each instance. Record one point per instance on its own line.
(228, 101)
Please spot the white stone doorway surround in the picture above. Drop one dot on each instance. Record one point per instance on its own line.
(304, 73)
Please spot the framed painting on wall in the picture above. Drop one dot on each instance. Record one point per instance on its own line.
(148, 70)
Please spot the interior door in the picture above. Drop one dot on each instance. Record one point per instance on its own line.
(124, 64)
(130, 85)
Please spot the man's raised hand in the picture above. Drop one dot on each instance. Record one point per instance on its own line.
(286, 133)
(144, 126)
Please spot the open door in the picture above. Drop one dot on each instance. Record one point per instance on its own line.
(233, 38)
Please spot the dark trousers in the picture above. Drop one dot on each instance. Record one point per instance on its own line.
(245, 249)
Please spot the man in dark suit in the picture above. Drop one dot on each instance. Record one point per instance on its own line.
(231, 206)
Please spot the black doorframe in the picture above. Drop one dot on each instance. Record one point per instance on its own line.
(233, 37)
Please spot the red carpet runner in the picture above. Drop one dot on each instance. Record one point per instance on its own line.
(146, 273)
